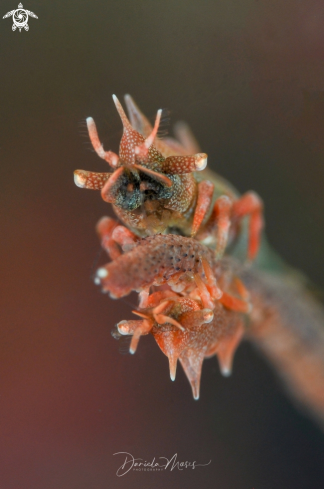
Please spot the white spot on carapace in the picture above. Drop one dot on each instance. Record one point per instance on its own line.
(79, 179)
(102, 273)
(201, 161)
(226, 371)
(208, 316)
(89, 121)
(123, 327)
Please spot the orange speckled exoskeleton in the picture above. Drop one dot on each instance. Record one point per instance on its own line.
(187, 303)
(163, 186)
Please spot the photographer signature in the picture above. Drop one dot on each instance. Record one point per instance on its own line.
(137, 463)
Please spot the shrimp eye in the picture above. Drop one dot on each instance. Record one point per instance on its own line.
(127, 193)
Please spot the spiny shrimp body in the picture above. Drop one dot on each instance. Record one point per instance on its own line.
(188, 315)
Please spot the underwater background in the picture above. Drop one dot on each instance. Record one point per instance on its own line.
(248, 76)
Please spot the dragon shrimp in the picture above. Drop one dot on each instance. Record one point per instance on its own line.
(157, 186)
(194, 299)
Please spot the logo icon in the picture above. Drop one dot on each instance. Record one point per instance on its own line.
(20, 18)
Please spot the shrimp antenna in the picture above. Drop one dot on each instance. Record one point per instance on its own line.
(121, 112)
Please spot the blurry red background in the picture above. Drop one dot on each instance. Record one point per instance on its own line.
(249, 78)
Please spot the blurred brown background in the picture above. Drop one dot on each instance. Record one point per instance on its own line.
(249, 78)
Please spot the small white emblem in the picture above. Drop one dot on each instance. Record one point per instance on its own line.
(20, 18)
